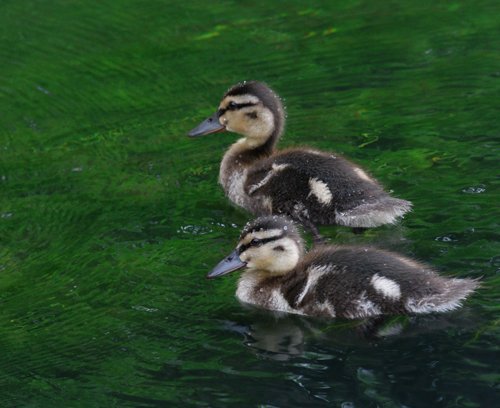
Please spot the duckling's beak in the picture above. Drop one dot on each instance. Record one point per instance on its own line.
(208, 126)
(229, 264)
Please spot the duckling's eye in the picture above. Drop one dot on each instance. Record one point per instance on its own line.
(255, 242)
(232, 105)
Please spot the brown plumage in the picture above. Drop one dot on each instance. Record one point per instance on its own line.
(311, 186)
(334, 281)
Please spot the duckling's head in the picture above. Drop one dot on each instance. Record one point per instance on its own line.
(249, 108)
(270, 245)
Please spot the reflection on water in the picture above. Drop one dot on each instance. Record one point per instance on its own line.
(281, 336)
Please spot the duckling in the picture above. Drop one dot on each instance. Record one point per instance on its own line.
(333, 281)
(310, 186)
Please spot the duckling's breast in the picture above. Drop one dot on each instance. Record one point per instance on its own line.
(233, 184)
(257, 289)
(233, 180)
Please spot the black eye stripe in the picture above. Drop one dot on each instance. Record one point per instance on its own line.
(243, 248)
(245, 105)
(231, 106)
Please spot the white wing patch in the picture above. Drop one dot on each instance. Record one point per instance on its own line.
(279, 167)
(313, 275)
(327, 308)
(278, 302)
(386, 287)
(320, 190)
(363, 308)
(276, 168)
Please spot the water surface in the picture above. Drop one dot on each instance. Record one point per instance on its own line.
(110, 217)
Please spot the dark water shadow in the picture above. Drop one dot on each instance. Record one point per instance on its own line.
(283, 336)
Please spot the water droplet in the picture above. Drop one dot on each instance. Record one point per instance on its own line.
(42, 89)
(141, 308)
(194, 230)
(285, 228)
(446, 238)
(481, 188)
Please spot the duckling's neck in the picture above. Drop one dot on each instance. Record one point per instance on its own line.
(260, 289)
(256, 286)
(246, 151)
(239, 157)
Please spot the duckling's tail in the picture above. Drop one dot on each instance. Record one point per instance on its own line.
(384, 210)
(450, 296)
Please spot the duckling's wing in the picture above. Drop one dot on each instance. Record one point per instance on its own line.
(282, 183)
(324, 188)
(300, 168)
(358, 282)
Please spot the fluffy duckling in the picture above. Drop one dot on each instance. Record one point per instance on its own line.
(311, 186)
(333, 281)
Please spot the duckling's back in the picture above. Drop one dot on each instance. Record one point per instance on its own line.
(354, 282)
(322, 188)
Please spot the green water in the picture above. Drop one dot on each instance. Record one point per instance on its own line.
(110, 216)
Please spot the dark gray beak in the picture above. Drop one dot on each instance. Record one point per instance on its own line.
(229, 264)
(208, 126)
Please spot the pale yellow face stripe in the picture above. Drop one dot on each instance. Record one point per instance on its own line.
(260, 235)
(239, 99)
